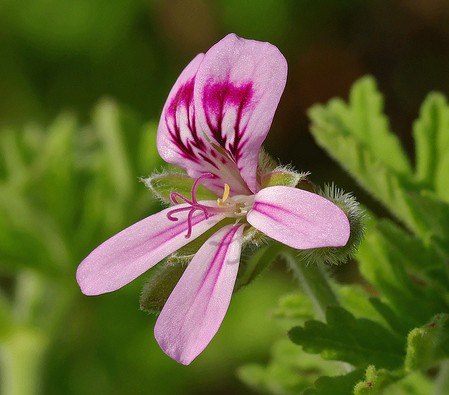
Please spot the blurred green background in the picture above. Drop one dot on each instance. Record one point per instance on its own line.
(67, 185)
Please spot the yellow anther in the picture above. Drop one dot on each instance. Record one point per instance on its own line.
(225, 195)
(225, 192)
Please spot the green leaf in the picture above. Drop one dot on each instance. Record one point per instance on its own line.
(413, 384)
(365, 119)
(358, 137)
(361, 121)
(55, 171)
(381, 262)
(289, 372)
(427, 345)
(336, 385)
(345, 338)
(66, 188)
(355, 299)
(107, 124)
(413, 253)
(433, 212)
(294, 309)
(390, 316)
(431, 133)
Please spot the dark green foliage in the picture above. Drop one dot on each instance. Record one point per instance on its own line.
(360, 342)
(403, 259)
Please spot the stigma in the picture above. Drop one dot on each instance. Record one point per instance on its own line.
(232, 206)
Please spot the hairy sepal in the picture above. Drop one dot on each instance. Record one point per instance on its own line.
(164, 183)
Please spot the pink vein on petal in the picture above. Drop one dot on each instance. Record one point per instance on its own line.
(195, 309)
(128, 254)
(298, 218)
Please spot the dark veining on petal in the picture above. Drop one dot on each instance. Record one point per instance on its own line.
(219, 98)
(191, 146)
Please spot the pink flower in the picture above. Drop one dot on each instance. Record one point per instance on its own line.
(213, 124)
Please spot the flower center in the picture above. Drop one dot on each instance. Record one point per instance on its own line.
(233, 207)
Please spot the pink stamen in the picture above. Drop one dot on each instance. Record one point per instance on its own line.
(194, 205)
(175, 195)
(189, 224)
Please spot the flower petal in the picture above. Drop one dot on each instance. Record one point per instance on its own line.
(195, 309)
(133, 251)
(178, 140)
(181, 142)
(237, 89)
(298, 218)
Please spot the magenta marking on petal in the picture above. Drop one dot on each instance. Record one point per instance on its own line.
(218, 99)
(183, 100)
(190, 146)
(227, 240)
(195, 309)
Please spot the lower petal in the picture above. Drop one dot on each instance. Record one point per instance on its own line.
(195, 309)
(298, 218)
(133, 251)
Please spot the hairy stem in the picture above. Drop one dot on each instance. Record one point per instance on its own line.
(314, 281)
(442, 380)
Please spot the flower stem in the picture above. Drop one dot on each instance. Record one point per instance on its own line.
(314, 281)
(442, 380)
(34, 317)
(21, 361)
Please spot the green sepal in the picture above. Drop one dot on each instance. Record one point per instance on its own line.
(254, 262)
(360, 342)
(427, 345)
(162, 281)
(163, 184)
(282, 176)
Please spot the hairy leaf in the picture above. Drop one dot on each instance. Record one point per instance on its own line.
(360, 342)
(431, 132)
(336, 385)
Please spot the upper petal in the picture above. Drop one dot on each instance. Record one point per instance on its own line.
(182, 142)
(298, 218)
(196, 307)
(237, 89)
(133, 251)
